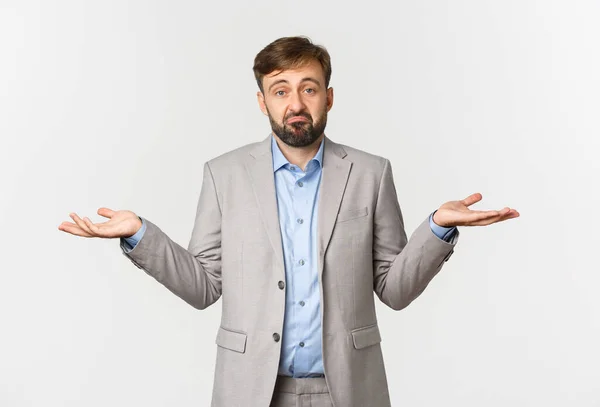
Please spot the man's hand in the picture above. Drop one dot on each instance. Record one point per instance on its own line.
(457, 213)
(121, 224)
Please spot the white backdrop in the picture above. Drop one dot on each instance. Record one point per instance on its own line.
(119, 104)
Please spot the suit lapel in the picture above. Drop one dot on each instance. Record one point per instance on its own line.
(260, 169)
(333, 184)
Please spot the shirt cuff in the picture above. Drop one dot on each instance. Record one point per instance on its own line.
(132, 241)
(442, 232)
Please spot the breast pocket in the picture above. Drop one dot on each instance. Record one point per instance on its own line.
(349, 214)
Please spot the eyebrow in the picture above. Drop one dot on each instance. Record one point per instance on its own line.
(307, 79)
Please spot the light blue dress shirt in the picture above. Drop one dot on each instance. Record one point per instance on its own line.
(297, 197)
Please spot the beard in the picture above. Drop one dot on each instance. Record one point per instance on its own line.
(299, 134)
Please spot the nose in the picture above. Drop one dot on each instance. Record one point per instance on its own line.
(296, 103)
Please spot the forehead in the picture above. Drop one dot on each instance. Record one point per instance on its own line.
(312, 69)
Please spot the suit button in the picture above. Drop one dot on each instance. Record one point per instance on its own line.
(276, 337)
(281, 285)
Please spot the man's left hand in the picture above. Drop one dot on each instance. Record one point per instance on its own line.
(457, 213)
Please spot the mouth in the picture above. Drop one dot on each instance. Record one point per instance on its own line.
(298, 119)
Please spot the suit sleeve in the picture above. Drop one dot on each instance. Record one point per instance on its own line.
(193, 274)
(403, 267)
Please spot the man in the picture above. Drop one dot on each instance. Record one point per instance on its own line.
(296, 233)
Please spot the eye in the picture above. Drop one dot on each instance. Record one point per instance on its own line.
(280, 93)
(310, 90)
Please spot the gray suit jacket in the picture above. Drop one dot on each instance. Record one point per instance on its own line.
(235, 252)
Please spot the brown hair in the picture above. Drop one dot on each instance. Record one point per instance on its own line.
(289, 53)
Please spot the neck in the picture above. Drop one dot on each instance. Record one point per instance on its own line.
(299, 156)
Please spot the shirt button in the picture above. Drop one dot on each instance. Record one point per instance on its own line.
(302, 303)
(300, 221)
(276, 337)
(301, 262)
(301, 344)
(300, 184)
(281, 285)
(293, 168)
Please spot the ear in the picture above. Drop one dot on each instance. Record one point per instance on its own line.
(261, 103)
(329, 99)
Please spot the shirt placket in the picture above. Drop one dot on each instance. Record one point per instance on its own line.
(301, 268)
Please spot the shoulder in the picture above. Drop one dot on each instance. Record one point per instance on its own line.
(365, 160)
(236, 157)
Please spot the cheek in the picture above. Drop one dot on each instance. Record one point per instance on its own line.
(274, 112)
(277, 118)
(318, 111)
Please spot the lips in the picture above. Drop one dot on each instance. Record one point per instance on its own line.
(298, 119)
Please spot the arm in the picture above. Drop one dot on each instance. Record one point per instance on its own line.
(194, 274)
(402, 268)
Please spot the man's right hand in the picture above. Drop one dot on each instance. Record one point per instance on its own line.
(120, 224)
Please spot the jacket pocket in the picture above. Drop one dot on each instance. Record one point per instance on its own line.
(235, 341)
(351, 214)
(366, 336)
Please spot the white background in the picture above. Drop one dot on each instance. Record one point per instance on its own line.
(119, 104)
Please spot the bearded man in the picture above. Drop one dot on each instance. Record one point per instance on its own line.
(297, 234)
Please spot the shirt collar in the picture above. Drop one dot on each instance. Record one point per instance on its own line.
(279, 159)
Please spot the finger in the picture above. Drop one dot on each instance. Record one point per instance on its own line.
(504, 211)
(484, 222)
(471, 199)
(95, 229)
(73, 229)
(81, 223)
(492, 213)
(510, 214)
(476, 216)
(107, 213)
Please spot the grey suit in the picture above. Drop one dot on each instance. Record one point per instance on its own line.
(236, 251)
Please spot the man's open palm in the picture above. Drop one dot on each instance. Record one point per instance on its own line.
(120, 224)
(457, 213)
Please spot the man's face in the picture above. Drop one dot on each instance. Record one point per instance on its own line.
(297, 103)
